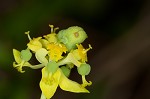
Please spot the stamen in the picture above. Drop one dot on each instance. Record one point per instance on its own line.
(56, 29)
(52, 28)
(90, 47)
(28, 35)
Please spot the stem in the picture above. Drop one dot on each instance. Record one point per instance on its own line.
(69, 59)
(42, 96)
(36, 66)
(83, 79)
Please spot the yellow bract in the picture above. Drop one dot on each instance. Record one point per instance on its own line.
(50, 82)
(56, 50)
(51, 37)
(72, 86)
(35, 44)
(17, 55)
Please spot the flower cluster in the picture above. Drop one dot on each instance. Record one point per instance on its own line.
(57, 55)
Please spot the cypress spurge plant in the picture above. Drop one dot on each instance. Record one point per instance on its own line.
(57, 55)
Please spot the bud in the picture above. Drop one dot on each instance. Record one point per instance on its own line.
(72, 36)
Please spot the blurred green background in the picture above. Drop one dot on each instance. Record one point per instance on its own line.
(108, 23)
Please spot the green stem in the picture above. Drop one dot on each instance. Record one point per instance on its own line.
(69, 59)
(36, 66)
(42, 96)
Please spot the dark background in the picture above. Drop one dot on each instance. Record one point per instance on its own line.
(118, 30)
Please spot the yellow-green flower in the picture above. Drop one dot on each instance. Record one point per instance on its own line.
(56, 51)
(50, 82)
(52, 36)
(84, 69)
(81, 53)
(19, 61)
(34, 43)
